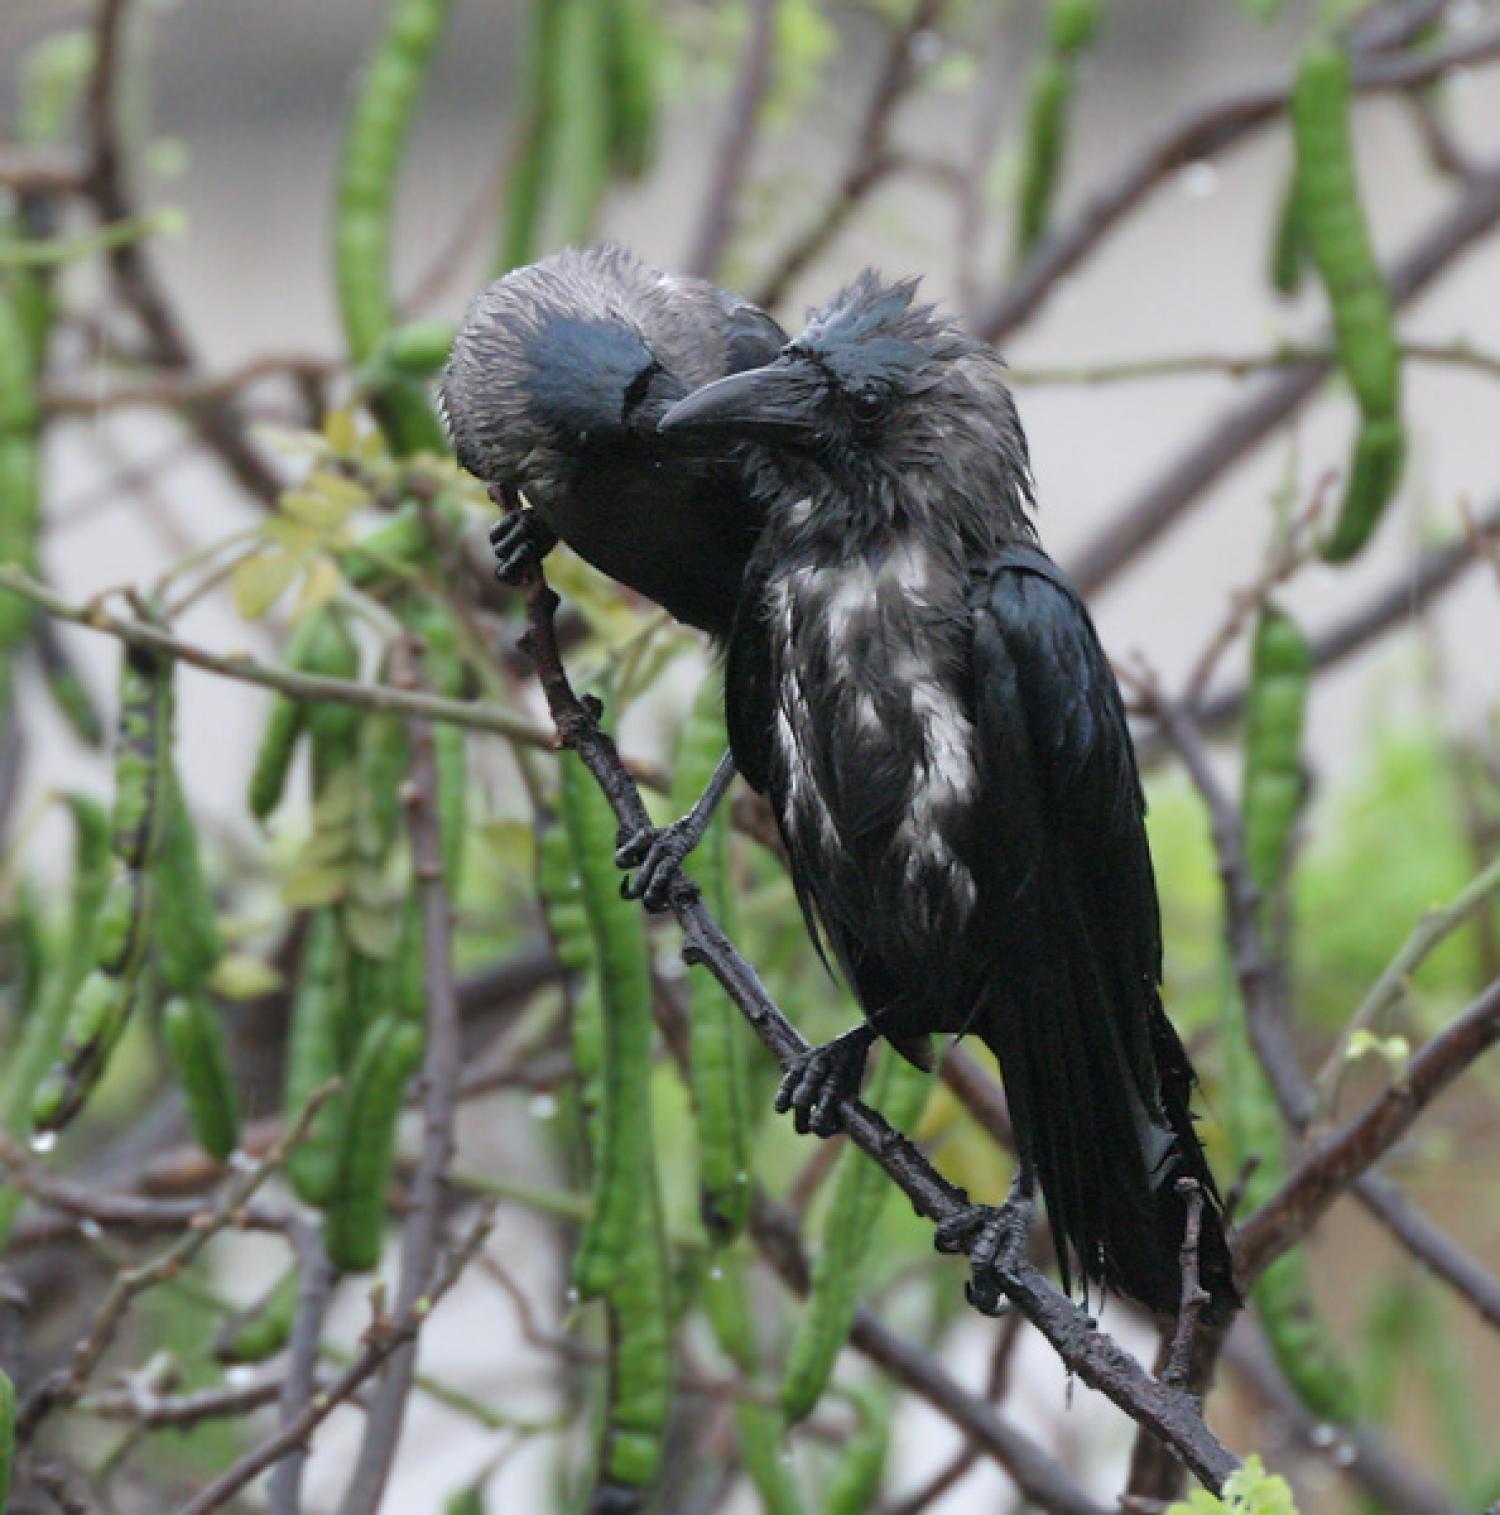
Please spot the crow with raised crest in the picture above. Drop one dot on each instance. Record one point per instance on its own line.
(922, 695)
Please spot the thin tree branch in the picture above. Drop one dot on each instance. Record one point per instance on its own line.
(382, 1339)
(1201, 133)
(1412, 589)
(1164, 499)
(440, 1078)
(1332, 1163)
(316, 1281)
(134, 276)
(737, 144)
(299, 686)
(869, 162)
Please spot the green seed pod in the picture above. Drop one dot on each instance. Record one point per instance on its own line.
(625, 982)
(1072, 25)
(1289, 251)
(531, 174)
(640, 1342)
(420, 348)
(854, 1487)
(445, 671)
(115, 934)
(726, 1300)
(583, 126)
(622, 1254)
(1379, 455)
(373, 146)
(1047, 101)
(42, 1033)
(384, 758)
(20, 483)
(1334, 224)
(1272, 796)
(320, 1013)
(100, 1013)
(390, 1053)
(143, 742)
(188, 939)
(195, 1047)
(7, 1437)
(273, 759)
(633, 45)
(1281, 667)
(262, 1331)
(331, 652)
(900, 1092)
(721, 1095)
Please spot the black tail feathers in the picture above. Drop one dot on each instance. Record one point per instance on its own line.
(1099, 1100)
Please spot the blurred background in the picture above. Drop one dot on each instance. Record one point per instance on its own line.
(1149, 350)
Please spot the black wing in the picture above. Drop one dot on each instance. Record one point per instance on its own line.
(1098, 1080)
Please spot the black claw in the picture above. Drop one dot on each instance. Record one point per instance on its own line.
(520, 542)
(993, 1238)
(658, 856)
(815, 1086)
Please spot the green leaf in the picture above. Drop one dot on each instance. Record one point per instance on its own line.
(309, 886)
(261, 580)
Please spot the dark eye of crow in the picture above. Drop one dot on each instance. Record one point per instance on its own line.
(869, 406)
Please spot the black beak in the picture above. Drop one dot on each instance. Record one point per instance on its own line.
(777, 403)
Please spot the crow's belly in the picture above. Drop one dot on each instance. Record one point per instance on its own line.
(899, 912)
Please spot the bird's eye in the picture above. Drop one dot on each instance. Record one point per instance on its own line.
(869, 406)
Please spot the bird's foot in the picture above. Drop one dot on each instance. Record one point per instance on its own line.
(657, 853)
(520, 541)
(816, 1085)
(994, 1238)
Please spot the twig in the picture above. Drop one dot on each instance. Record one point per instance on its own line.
(1328, 1166)
(440, 1076)
(42, 170)
(314, 1295)
(868, 163)
(1093, 1356)
(1432, 1247)
(737, 144)
(1199, 134)
(968, 1453)
(300, 686)
(184, 391)
(1228, 438)
(383, 1338)
(1410, 591)
(1457, 354)
(66, 1386)
(181, 1412)
(1482, 537)
(1434, 928)
(134, 276)
(1194, 1296)
(1291, 550)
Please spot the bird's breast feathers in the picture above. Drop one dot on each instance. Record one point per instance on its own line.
(881, 767)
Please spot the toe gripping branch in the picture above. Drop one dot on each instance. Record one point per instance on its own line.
(521, 539)
(658, 852)
(994, 1238)
(815, 1086)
